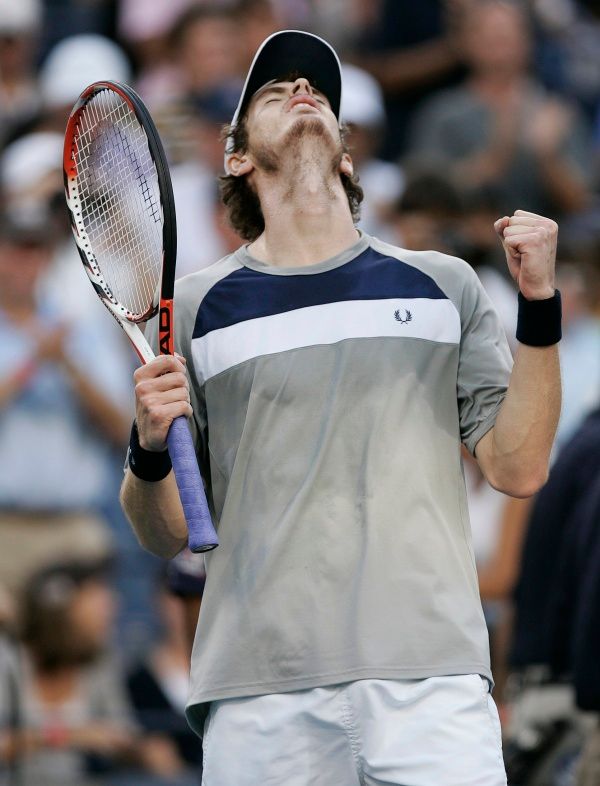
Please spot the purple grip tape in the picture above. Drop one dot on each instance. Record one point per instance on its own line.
(202, 535)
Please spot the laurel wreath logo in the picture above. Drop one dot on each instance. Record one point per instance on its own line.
(407, 317)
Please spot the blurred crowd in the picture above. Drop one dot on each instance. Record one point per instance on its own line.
(458, 112)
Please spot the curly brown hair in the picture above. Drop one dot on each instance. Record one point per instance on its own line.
(241, 201)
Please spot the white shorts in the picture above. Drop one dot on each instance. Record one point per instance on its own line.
(441, 731)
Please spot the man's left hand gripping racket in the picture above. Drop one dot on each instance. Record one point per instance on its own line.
(120, 198)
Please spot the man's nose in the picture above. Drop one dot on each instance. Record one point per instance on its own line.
(301, 86)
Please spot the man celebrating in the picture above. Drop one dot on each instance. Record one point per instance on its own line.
(330, 379)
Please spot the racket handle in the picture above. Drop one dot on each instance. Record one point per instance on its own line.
(202, 535)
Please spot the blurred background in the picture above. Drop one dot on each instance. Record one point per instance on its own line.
(460, 111)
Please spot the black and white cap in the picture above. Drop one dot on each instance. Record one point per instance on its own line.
(286, 52)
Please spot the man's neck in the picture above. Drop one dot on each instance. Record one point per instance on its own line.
(306, 212)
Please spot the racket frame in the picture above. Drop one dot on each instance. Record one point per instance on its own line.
(201, 531)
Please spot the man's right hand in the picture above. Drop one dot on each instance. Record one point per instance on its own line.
(162, 394)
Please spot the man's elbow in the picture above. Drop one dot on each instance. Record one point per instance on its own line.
(160, 548)
(521, 483)
(157, 540)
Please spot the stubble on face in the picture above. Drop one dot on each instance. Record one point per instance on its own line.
(309, 155)
(295, 149)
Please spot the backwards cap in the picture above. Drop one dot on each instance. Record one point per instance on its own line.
(286, 52)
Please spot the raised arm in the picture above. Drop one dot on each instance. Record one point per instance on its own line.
(514, 455)
(149, 496)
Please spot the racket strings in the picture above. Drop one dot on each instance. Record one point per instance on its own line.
(120, 200)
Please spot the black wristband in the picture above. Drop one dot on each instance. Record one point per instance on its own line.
(145, 464)
(539, 321)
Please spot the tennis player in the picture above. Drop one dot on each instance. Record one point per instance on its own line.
(330, 379)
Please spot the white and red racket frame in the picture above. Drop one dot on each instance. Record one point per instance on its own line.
(202, 535)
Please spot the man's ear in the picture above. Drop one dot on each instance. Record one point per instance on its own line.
(239, 165)
(346, 165)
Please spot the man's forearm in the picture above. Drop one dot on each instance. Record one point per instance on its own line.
(155, 513)
(514, 455)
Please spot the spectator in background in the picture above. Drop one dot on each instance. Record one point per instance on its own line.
(64, 19)
(71, 66)
(568, 49)
(20, 23)
(579, 349)
(205, 55)
(501, 128)
(427, 214)
(203, 234)
(60, 416)
(208, 46)
(586, 639)
(32, 187)
(363, 112)
(159, 684)
(145, 27)
(256, 20)
(596, 152)
(341, 22)
(31, 181)
(32, 184)
(76, 722)
(412, 50)
(543, 717)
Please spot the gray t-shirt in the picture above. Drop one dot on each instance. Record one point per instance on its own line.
(330, 402)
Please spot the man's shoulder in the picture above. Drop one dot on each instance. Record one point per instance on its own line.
(191, 289)
(451, 273)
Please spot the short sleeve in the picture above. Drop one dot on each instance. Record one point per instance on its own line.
(485, 364)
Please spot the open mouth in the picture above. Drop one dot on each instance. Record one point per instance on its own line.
(302, 102)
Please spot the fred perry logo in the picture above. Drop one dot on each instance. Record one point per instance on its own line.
(403, 320)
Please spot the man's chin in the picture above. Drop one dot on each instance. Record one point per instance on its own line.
(307, 126)
(307, 131)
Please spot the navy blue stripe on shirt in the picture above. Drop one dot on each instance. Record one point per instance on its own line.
(249, 294)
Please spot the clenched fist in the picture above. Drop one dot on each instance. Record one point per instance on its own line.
(161, 394)
(529, 242)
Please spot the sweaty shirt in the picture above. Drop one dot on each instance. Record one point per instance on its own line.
(330, 402)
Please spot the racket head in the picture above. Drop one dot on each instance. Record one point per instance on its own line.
(121, 205)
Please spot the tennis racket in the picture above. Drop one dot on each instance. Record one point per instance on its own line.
(120, 198)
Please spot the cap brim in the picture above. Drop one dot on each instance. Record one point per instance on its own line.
(294, 51)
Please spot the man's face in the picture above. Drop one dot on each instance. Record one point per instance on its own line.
(282, 113)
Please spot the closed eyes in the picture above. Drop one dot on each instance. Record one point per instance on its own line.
(277, 93)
